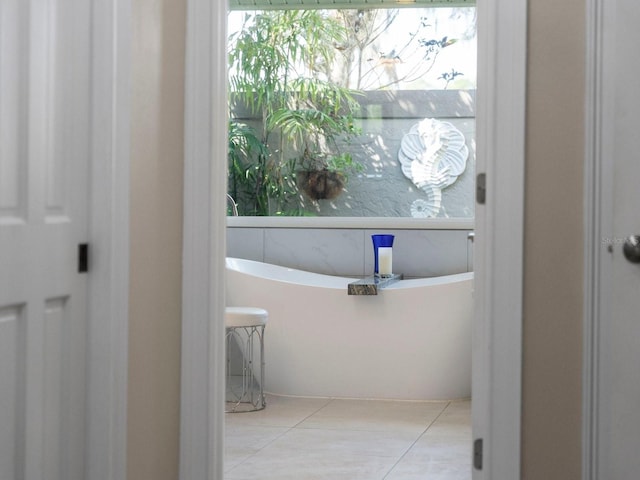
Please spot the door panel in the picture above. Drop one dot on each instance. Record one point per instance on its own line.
(618, 396)
(44, 153)
(12, 393)
(12, 106)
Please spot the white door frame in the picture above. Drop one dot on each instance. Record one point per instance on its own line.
(499, 239)
(598, 204)
(205, 186)
(109, 241)
(498, 250)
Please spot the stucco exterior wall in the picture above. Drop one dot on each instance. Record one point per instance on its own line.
(381, 189)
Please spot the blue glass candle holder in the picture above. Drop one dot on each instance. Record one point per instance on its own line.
(380, 241)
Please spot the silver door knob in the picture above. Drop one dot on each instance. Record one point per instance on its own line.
(631, 248)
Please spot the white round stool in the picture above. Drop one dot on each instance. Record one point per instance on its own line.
(245, 377)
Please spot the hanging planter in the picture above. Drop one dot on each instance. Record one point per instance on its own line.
(322, 184)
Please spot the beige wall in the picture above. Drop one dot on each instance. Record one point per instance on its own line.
(156, 239)
(551, 429)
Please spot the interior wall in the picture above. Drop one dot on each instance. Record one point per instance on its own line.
(156, 239)
(553, 283)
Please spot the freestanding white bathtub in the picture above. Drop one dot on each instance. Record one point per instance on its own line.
(411, 341)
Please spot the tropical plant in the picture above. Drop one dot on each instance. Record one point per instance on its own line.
(276, 72)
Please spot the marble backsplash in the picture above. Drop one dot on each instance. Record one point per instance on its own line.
(349, 252)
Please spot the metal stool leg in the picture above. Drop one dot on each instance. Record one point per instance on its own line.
(249, 395)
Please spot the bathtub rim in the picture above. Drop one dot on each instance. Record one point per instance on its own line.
(283, 274)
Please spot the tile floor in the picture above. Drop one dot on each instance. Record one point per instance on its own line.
(338, 439)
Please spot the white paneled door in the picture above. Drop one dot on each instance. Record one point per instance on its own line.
(614, 353)
(44, 152)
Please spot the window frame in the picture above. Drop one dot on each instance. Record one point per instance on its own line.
(354, 222)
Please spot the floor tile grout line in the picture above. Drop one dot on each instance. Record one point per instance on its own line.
(331, 399)
(288, 429)
(416, 441)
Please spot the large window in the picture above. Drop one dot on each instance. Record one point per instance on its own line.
(353, 113)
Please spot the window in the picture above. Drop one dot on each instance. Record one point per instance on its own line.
(353, 112)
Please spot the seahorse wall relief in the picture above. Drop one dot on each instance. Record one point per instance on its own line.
(433, 154)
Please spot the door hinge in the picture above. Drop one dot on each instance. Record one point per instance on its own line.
(83, 257)
(477, 454)
(481, 188)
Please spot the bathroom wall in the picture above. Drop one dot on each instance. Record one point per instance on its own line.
(349, 252)
(153, 410)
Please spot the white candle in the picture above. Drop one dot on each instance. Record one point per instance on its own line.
(385, 258)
